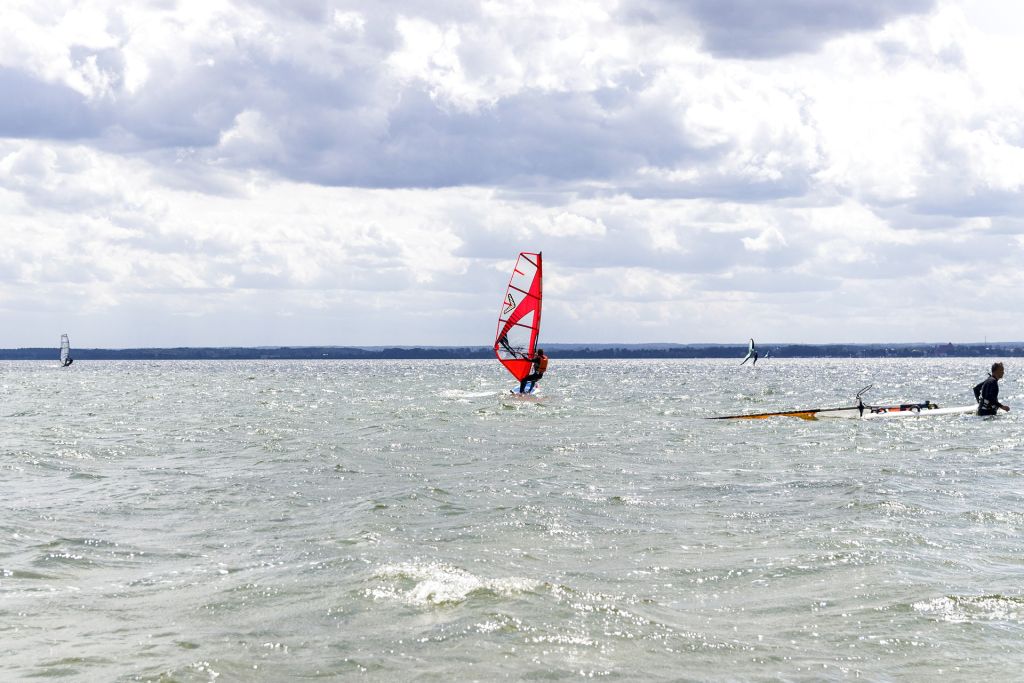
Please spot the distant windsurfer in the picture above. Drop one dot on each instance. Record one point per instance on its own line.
(987, 392)
(539, 367)
(751, 353)
(65, 351)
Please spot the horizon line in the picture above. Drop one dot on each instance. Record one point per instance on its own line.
(609, 345)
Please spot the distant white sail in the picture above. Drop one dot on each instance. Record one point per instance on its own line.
(65, 351)
(751, 353)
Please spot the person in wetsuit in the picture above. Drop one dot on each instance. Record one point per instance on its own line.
(987, 392)
(540, 366)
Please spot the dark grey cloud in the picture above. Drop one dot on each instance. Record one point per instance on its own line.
(30, 108)
(531, 135)
(338, 116)
(765, 29)
(713, 184)
(528, 139)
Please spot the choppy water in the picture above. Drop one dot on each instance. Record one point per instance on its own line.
(282, 520)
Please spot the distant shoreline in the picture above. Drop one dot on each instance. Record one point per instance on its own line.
(582, 351)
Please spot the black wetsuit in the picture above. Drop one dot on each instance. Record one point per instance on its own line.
(534, 377)
(987, 394)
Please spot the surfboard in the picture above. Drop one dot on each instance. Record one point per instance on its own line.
(866, 412)
(920, 410)
(860, 411)
(530, 388)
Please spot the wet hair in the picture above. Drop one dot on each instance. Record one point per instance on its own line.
(996, 365)
(540, 351)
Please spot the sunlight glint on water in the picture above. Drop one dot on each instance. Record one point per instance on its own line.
(274, 520)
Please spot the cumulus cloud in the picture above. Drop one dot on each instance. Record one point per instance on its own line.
(421, 95)
(752, 29)
(687, 167)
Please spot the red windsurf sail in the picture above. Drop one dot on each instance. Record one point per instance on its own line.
(519, 318)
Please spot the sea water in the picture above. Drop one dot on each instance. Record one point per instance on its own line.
(394, 520)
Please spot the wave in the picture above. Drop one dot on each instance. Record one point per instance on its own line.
(959, 609)
(437, 583)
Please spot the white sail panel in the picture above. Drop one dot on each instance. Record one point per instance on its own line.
(65, 349)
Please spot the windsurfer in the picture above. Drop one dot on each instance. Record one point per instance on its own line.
(751, 353)
(987, 392)
(540, 366)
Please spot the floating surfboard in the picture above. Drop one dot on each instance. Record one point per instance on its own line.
(857, 412)
(860, 411)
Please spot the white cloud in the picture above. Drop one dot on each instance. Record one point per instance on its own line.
(251, 139)
(567, 224)
(684, 171)
(770, 239)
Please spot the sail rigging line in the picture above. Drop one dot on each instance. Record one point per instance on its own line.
(524, 292)
(526, 257)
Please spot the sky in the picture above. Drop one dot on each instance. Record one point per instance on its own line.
(332, 172)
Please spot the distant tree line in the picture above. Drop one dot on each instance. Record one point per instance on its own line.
(604, 351)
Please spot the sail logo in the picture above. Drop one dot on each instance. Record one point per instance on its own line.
(510, 304)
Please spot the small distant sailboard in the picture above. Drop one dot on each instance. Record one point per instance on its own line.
(65, 351)
(860, 411)
(515, 342)
(751, 353)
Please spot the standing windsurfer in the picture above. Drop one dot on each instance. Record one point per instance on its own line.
(540, 366)
(515, 342)
(751, 353)
(987, 392)
(65, 351)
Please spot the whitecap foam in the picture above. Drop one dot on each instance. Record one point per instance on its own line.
(962, 609)
(463, 394)
(438, 583)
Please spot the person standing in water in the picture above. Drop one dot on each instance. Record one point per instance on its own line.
(987, 392)
(540, 366)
